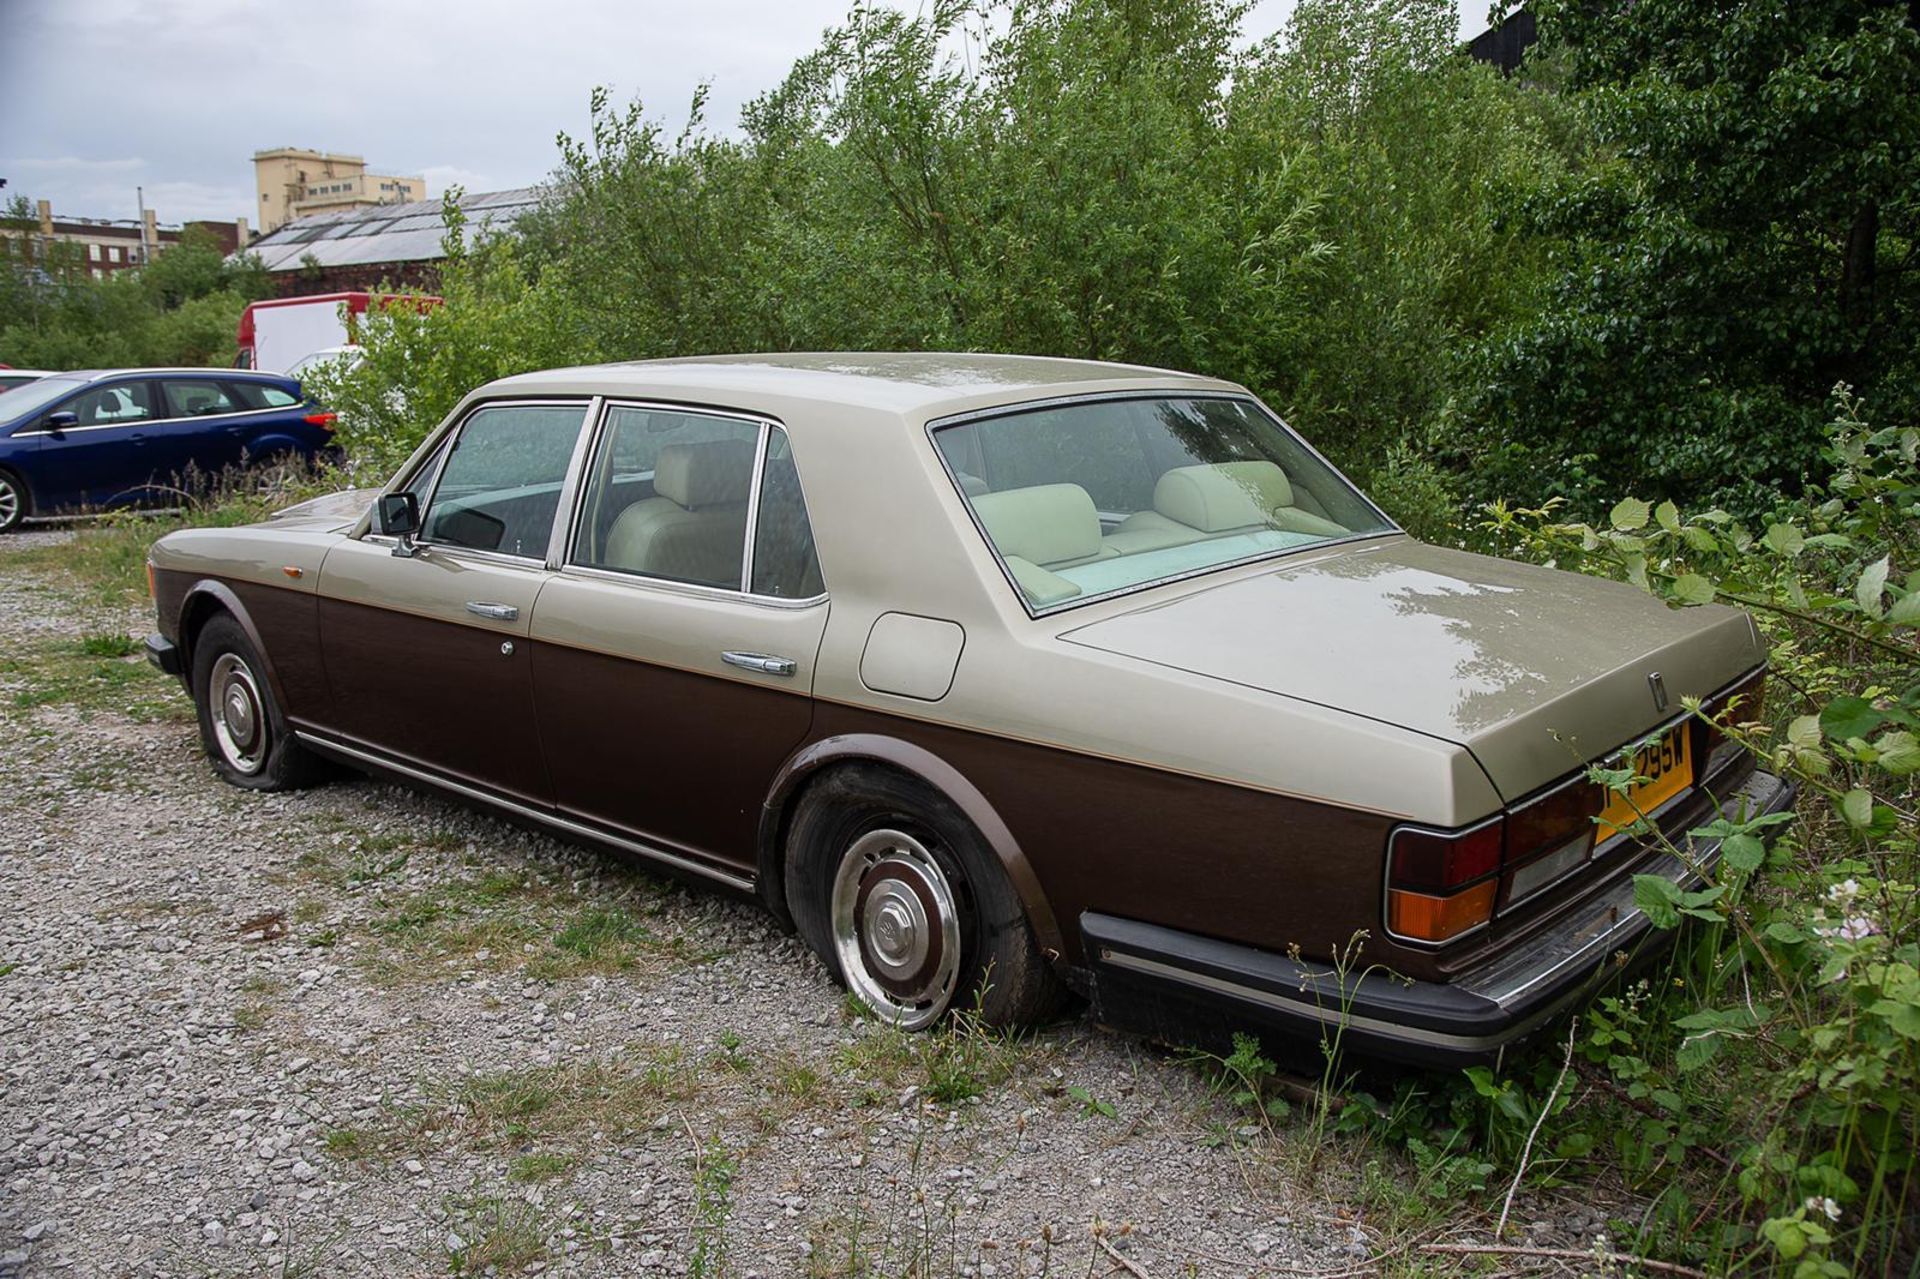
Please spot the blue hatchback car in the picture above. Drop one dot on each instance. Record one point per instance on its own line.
(122, 437)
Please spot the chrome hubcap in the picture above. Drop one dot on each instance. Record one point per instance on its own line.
(9, 502)
(896, 930)
(239, 724)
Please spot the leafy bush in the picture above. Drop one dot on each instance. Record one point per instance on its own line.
(1786, 1037)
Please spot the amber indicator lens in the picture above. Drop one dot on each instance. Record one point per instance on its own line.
(1428, 861)
(1436, 919)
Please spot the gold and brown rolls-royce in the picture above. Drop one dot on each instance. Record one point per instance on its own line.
(998, 678)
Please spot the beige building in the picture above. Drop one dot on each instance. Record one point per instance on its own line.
(293, 182)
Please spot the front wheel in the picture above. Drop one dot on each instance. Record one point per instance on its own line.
(897, 892)
(13, 501)
(241, 726)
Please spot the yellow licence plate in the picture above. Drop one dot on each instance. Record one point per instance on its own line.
(1663, 768)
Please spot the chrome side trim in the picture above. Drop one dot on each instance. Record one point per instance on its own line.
(553, 820)
(753, 507)
(641, 582)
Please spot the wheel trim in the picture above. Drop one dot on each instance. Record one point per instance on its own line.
(238, 713)
(9, 502)
(896, 928)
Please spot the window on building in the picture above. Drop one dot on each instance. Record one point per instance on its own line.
(113, 253)
(93, 254)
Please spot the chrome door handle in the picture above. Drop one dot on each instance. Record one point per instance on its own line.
(494, 612)
(759, 662)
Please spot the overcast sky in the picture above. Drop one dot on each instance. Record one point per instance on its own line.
(100, 96)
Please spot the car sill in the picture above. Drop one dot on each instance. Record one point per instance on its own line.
(552, 821)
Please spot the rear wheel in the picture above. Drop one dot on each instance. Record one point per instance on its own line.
(14, 504)
(897, 892)
(241, 726)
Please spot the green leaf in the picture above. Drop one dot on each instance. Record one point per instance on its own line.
(1905, 610)
(1667, 516)
(1785, 539)
(1699, 539)
(1845, 718)
(1691, 588)
(1901, 1015)
(1899, 753)
(1743, 852)
(1658, 897)
(1871, 586)
(1857, 807)
(1781, 931)
(1630, 513)
(1804, 732)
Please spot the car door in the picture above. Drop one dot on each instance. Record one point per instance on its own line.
(107, 455)
(204, 433)
(674, 650)
(427, 655)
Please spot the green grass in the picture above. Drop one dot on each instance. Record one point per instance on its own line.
(541, 1167)
(500, 1236)
(78, 673)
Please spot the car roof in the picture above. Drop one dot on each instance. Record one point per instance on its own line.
(924, 384)
(92, 375)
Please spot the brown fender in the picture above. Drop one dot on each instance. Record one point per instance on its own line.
(222, 595)
(932, 770)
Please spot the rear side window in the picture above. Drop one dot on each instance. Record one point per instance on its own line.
(500, 484)
(667, 497)
(259, 395)
(784, 563)
(115, 403)
(197, 399)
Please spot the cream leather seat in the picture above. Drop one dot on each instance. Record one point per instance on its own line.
(1052, 525)
(1230, 497)
(694, 528)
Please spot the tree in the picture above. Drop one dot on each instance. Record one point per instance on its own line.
(1749, 243)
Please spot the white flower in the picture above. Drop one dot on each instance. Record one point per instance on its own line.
(1844, 891)
(1820, 1204)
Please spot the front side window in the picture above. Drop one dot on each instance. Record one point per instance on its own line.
(115, 403)
(667, 497)
(499, 485)
(197, 398)
(1087, 500)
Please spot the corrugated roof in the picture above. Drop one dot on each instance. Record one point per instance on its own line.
(385, 232)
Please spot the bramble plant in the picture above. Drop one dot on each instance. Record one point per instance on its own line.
(1798, 979)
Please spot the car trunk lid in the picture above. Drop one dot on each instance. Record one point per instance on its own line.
(1533, 670)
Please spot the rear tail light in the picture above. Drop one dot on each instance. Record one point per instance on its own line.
(323, 419)
(1442, 885)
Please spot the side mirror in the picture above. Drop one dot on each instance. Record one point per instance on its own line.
(65, 419)
(397, 515)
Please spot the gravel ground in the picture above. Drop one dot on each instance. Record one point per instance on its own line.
(362, 1030)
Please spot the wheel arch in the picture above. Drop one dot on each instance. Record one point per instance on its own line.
(923, 766)
(205, 600)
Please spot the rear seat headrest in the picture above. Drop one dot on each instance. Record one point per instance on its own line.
(1225, 495)
(1045, 523)
(716, 473)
